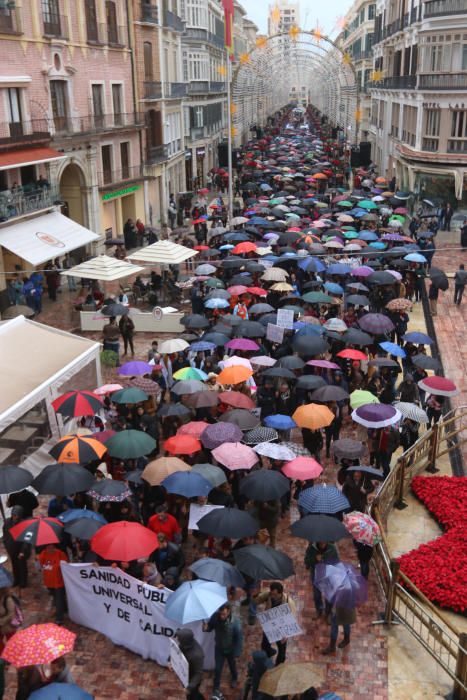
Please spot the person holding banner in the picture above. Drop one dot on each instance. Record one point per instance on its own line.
(271, 599)
(194, 654)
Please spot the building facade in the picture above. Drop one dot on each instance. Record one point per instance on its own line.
(419, 105)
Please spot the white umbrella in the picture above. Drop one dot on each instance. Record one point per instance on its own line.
(174, 345)
(335, 324)
(263, 361)
(274, 274)
(103, 268)
(239, 220)
(164, 253)
(205, 269)
(274, 450)
(412, 411)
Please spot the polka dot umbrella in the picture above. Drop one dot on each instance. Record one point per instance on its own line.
(38, 644)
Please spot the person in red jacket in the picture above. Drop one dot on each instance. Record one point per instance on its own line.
(165, 523)
(50, 559)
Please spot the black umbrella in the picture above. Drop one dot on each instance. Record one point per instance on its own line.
(194, 321)
(424, 362)
(114, 241)
(329, 393)
(110, 490)
(115, 310)
(260, 434)
(358, 286)
(309, 344)
(219, 571)
(250, 329)
(357, 300)
(83, 528)
(254, 267)
(232, 263)
(346, 448)
(228, 522)
(63, 479)
(261, 562)
(381, 277)
(291, 362)
(268, 318)
(439, 279)
(264, 485)
(373, 473)
(384, 362)
(173, 409)
(310, 382)
(14, 479)
(221, 328)
(216, 338)
(231, 320)
(245, 280)
(354, 336)
(244, 419)
(319, 528)
(281, 372)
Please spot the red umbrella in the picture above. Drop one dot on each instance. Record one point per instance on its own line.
(245, 247)
(38, 644)
(103, 436)
(236, 399)
(439, 386)
(351, 354)
(257, 291)
(182, 445)
(38, 531)
(193, 428)
(77, 403)
(124, 541)
(302, 468)
(201, 247)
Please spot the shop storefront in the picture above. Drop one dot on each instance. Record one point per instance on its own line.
(117, 206)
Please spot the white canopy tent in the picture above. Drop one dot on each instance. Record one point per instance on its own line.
(103, 268)
(163, 253)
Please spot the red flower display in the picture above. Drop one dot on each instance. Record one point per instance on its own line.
(439, 568)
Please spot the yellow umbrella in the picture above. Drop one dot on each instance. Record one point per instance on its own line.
(313, 416)
(360, 398)
(156, 471)
(282, 287)
(290, 678)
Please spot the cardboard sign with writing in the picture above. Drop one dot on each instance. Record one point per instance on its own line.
(179, 663)
(285, 318)
(279, 623)
(274, 333)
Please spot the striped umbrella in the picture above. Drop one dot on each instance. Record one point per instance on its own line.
(77, 449)
(323, 498)
(77, 403)
(412, 411)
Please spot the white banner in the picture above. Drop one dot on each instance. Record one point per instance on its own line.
(279, 623)
(127, 611)
(179, 663)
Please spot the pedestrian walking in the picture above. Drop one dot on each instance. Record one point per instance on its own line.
(433, 294)
(272, 598)
(315, 553)
(460, 280)
(49, 560)
(228, 645)
(127, 329)
(194, 654)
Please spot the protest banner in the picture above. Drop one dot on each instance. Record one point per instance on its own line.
(285, 318)
(274, 333)
(179, 663)
(198, 512)
(127, 611)
(279, 623)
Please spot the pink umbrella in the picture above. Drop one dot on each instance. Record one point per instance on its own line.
(325, 364)
(107, 389)
(236, 290)
(362, 271)
(242, 344)
(302, 468)
(193, 428)
(362, 528)
(235, 455)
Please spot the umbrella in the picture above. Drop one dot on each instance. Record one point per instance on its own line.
(146, 385)
(235, 455)
(439, 386)
(264, 485)
(341, 584)
(359, 397)
(124, 541)
(399, 304)
(329, 393)
(319, 528)
(381, 277)
(274, 451)
(418, 338)
(259, 435)
(195, 600)
(425, 362)
(176, 409)
(370, 471)
(182, 445)
(313, 416)
(219, 571)
(135, 368)
(439, 279)
(83, 528)
(14, 479)
(217, 434)
(245, 420)
(251, 329)
(412, 411)
(194, 428)
(77, 403)
(244, 344)
(107, 389)
(363, 528)
(6, 579)
(325, 364)
(374, 415)
(78, 449)
(236, 399)
(190, 373)
(195, 321)
(213, 474)
(280, 422)
(279, 371)
(309, 344)
(323, 498)
(159, 469)
(346, 448)
(61, 691)
(187, 483)
(235, 374)
(201, 399)
(17, 310)
(37, 531)
(130, 395)
(393, 349)
(130, 444)
(291, 362)
(115, 309)
(110, 491)
(377, 324)
(202, 346)
(38, 644)
(352, 354)
(302, 468)
(63, 479)
(261, 562)
(168, 347)
(291, 678)
(228, 522)
(310, 382)
(188, 386)
(336, 325)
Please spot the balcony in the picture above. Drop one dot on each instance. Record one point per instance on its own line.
(443, 81)
(457, 146)
(205, 36)
(10, 21)
(198, 87)
(156, 154)
(172, 21)
(107, 178)
(152, 90)
(396, 82)
(174, 91)
(444, 8)
(27, 200)
(430, 144)
(197, 133)
(217, 86)
(55, 26)
(149, 13)
(109, 34)
(95, 123)
(34, 133)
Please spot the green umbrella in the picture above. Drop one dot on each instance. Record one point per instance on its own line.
(318, 298)
(294, 308)
(351, 229)
(214, 283)
(130, 444)
(367, 204)
(345, 203)
(130, 395)
(397, 217)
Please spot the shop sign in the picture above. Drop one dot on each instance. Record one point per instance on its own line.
(119, 193)
(200, 152)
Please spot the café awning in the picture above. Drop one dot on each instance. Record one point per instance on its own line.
(28, 156)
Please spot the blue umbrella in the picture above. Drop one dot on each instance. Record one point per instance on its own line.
(79, 513)
(333, 288)
(330, 696)
(216, 304)
(418, 338)
(202, 346)
(368, 236)
(280, 422)
(311, 265)
(188, 484)
(265, 187)
(259, 221)
(323, 498)
(338, 269)
(61, 691)
(227, 246)
(378, 245)
(341, 584)
(393, 349)
(195, 600)
(310, 329)
(416, 258)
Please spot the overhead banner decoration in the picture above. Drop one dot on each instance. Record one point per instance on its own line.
(127, 611)
(228, 25)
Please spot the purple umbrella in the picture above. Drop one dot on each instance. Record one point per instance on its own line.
(135, 369)
(341, 584)
(376, 415)
(216, 434)
(377, 324)
(242, 344)
(325, 364)
(362, 271)
(393, 237)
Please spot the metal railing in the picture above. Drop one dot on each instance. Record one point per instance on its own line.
(457, 146)
(443, 81)
(24, 132)
(217, 86)
(405, 603)
(438, 8)
(157, 154)
(93, 123)
(396, 82)
(24, 200)
(172, 21)
(152, 89)
(149, 13)
(56, 26)
(111, 177)
(103, 33)
(197, 87)
(175, 90)
(205, 36)
(430, 144)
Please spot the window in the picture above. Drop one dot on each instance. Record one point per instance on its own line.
(58, 97)
(395, 114)
(198, 66)
(117, 103)
(106, 154)
(91, 20)
(98, 104)
(459, 123)
(464, 57)
(148, 69)
(173, 134)
(125, 159)
(432, 122)
(371, 11)
(199, 121)
(7, 19)
(197, 14)
(14, 108)
(155, 129)
(51, 17)
(111, 17)
(409, 124)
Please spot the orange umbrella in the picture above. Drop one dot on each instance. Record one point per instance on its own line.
(245, 247)
(380, 179)
(313, 416)
(77, 449)
(182, 445)
(320, 176)
(156, 471)
(235, 374)
(193, 428)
